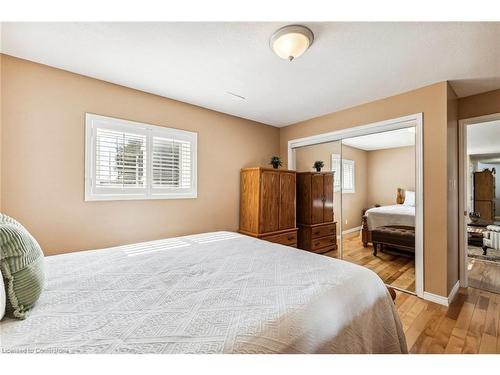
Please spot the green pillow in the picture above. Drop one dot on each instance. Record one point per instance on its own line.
(21, 262)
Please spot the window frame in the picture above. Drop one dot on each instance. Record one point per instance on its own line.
(95, 193)
(341, 188)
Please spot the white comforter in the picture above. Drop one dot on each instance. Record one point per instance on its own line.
(397, 214)
(216, 292)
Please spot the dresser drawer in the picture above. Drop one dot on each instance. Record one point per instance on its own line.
(322, 242)
(289, 238)
(322, 231)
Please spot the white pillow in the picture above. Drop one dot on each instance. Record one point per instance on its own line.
(409, 198)
(3, 297)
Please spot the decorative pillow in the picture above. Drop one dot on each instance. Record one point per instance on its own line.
(21, 263)
(2, 297)
(409, 198)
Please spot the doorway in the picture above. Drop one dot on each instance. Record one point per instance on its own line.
(480, 203)
(398, 262)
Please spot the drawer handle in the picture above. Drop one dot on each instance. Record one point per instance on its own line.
(290, 238)
(317, 232)
(317, 243)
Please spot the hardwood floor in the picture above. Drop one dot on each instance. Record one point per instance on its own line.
(394, 269)
(484, 275)
(471, 324)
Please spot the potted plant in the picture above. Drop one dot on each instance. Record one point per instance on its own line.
(276, 162)
(318, 164)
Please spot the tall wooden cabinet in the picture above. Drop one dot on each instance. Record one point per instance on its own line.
(484, 194)
(317, 228)
(267, 204)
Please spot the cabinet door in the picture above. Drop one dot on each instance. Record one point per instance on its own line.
(483, 186)
(287, 200)
(269, 201)
(317, 198)
(485, 209)
(328, 193)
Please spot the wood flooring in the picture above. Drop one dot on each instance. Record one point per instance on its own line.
(394, 269)
(471, 324)
(484, 275)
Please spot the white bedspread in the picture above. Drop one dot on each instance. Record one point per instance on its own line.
(216, 292)
(397, 214)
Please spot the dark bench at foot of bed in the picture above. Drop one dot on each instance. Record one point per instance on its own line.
(397, 236)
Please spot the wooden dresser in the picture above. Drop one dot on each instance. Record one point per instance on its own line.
(267, 205)
(484, 194)
(317, 228)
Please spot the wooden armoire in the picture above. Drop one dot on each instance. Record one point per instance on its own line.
(484, 194)
(267, 205)
(317, 228)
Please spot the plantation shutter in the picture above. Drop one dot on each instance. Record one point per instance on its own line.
(336, 170)
(172, 164)
(348, 176)
(120, 159)
(343, 176)
(131, 160)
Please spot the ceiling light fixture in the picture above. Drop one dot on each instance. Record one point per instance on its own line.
(291, 41)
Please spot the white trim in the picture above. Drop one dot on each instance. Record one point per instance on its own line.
(377, 127)
(93, 193)
(436, 298)
(462, 190)
(352, 230)
(445, 301)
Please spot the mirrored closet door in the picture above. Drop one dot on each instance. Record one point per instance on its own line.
(377, 181)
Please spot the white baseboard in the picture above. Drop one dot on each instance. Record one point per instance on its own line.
(445, 301)
(352, 230)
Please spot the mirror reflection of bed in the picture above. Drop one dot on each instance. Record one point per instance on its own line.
(388, 242)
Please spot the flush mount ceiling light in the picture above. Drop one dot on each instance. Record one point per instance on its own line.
(291, 41)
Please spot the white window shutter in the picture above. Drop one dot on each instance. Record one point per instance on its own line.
(344, 176)
(130, 160)
(120, 159)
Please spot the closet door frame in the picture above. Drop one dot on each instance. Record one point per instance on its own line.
(414, 120)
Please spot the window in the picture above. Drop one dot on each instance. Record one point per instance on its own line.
(131, 160)
(347, 173)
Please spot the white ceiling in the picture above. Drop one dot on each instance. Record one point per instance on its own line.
(348, 63)
(483, 138)
(391, 139)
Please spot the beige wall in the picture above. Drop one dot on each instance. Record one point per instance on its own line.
(352, 203)
(479, 105)
(43, 160)
(432, 102)
(389, 170)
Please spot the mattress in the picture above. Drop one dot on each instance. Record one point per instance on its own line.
(217, 292)
(397, 214)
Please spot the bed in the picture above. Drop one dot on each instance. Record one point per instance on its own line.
(218, 292)
(399, 214)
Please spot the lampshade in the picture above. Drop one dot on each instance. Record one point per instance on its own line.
(291, 41)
